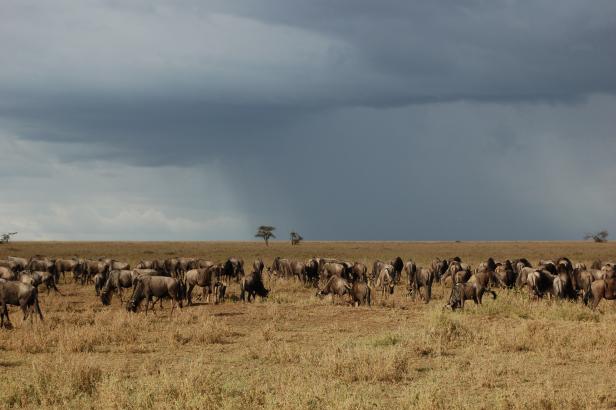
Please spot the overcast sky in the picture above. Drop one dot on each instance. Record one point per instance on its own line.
(348, 119)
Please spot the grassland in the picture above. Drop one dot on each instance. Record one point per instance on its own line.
(295, 350)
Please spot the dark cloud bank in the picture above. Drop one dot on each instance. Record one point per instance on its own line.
(343, 120)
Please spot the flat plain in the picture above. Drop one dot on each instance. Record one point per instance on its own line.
(296, 350)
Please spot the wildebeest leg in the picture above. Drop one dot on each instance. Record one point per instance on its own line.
(189, 294)
(25, 309)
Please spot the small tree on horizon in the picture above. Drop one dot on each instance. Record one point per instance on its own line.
(266, 232)
(598, 237)
(296, 238)
(6, 237)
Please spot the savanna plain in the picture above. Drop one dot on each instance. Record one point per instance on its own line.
(295, 350)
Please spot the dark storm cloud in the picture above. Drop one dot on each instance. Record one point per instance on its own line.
(346, 119)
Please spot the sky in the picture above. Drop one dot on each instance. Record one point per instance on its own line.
(340, 119)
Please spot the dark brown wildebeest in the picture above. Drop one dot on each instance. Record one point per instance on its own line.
(335, 286)
(541, 282)
(460, 292)
(252, 285)
(360, 293)
(148, 287)
(385, 281)
(600, 289)
(422, 279)
(18, 294)
(205, 278)
(487, 266)
(7, 274)
(398, 265)
(312, 271)
(116, 281)
(234, 268)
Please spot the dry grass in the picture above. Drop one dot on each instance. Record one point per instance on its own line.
(298, 351)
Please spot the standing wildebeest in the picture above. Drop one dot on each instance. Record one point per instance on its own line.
(439, 267)
(20, 264)
(116, 281)
(360, 292)
(18, 294)
(312, 271)
(298, 270)
(377, 266)
(117, 265)
(156, 265)
(411, 269)
(91, 268)
(600, 289)
(204, 278)
(42, 264)
(336, 286)
(252, 284)
(258, 266)
(280, 267)
(398, 265)
(66, 265)
(233, 269)
(39, 278)
(422, 278)
(541, 281)
(504, 275)
(385, 281)
(359, 272)
(461, 292)
(148, 287)
(333, 269)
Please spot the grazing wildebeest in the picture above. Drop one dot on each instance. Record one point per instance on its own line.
(234, 268)
(252, 284)
(460, 292)
(335, 285)
(7, 274)
(205, 278)
(422, 279)
(385, 281)
(360, 292)
(600, 289)
(398, 265)
(148, 287)
(116, 281)
(18, 294)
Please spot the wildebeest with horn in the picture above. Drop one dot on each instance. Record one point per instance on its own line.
(148, 287)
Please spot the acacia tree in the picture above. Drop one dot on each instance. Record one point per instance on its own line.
(597, 237)
(5, 237)
(296, 238)
(266, 232)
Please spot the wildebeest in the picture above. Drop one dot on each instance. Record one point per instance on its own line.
(18, 294)
(205, 278)
(91, 268)
(504, 275)
(280, 267)
(398, 265)
(252, 284)
(385, 281)
(298, 270)
(154, 264)
(541, 282)
(439, 267)
(330, 269)
(600, 289)
(422, 279)
(20, 264)
(360, 293)
(148, 287)
(38, 278)
(67, 265)
(359, 272)
(116, 281)
(258, 266)
(233, 268)
(335, 285)
(7, 274)
(460, 292)
(312, 270)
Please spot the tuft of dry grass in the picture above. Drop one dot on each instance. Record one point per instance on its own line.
(294, 350)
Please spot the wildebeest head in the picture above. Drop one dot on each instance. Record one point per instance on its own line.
(138, 296)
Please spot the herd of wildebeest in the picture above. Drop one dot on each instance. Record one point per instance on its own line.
(176, 279)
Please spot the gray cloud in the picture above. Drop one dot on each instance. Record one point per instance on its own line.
(345, 120)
